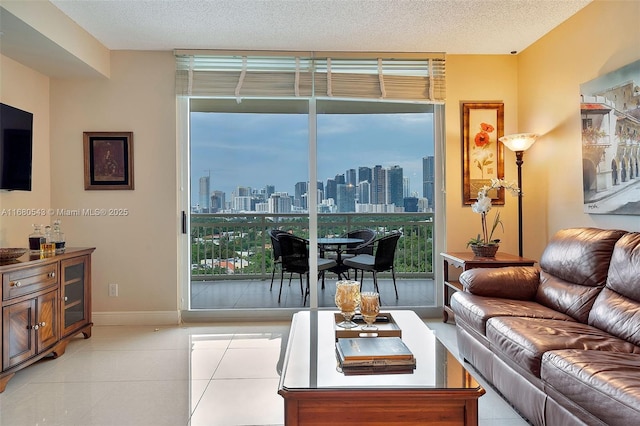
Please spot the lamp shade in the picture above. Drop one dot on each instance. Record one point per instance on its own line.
(519, 142)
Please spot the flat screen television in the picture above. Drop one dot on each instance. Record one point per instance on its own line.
(16, 142)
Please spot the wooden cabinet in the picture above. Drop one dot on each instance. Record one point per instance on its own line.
(45, 302)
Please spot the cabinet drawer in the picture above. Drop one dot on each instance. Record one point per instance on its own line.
(28, 280)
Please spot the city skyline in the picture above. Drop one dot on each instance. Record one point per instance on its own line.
(236, 150)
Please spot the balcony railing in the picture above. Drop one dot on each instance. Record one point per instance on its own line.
(237, 246)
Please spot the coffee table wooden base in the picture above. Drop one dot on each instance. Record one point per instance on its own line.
(381, 407)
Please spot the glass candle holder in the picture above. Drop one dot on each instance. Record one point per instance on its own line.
(347, 300)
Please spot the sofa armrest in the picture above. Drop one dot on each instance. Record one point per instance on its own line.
(513, 282)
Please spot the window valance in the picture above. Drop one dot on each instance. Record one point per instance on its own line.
(241, 75)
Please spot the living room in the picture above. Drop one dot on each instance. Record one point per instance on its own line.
(539, 88)
(123, 90)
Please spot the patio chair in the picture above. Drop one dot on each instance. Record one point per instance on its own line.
(295, 259)
(366, 247)
(380, 262)
(277, 256)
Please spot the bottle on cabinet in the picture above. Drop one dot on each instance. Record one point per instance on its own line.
(36, 238)
(48, 247)
(57, 236)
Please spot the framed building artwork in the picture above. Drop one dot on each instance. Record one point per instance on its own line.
(610, 114)
(482, 152)
(108, 160)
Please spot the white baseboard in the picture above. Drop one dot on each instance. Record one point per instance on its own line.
(136, 318)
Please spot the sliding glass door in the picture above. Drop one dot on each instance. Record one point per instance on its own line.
(313, 168)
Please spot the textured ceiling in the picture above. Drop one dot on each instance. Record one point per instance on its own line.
(451, 26)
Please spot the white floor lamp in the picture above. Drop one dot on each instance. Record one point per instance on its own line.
(519, 143)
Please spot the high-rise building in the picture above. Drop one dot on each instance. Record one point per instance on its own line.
(428, 176)
(279, 202)
(395, 185)
(406, 187)
(411, 204)
(378, 185)
(346, 201)
(217, 201)
(203, 194)
(241, 204)
(243, 191)
(364, 174)
(269, 189)
(364, 192)
(321, 194)
(423, 205)
(331, 189)
(301, 189)
(351, 177)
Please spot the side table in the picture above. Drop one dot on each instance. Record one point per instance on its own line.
(467, 260)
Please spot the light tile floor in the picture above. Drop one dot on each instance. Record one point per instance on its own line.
(200, 375)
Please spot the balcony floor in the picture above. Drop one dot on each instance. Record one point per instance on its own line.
(256, 294)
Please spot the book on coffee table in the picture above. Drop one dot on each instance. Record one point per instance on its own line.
(377, 354)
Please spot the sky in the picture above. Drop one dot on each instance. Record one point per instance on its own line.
(272, 149)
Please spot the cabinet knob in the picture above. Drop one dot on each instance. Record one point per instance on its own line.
(16, 284)
(38, 325)
(52, 274)
(66, 298)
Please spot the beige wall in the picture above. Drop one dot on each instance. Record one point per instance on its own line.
(137, 251)
(540, 89)
(478, 78)
(26, 89)
(603, 37)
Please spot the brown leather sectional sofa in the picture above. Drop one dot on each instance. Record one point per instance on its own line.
(561, 341)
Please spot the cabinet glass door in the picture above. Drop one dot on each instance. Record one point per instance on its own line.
(73, 293)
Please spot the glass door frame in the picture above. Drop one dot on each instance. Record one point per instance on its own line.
(183, 108)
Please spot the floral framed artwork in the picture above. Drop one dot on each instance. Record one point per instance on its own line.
(482, 152)
(108, 160)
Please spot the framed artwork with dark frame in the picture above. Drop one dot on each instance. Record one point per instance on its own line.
(482, 152)
(108, 160)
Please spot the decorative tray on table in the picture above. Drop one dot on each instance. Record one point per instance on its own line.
(387, 327)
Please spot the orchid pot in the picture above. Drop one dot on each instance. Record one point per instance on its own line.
(485, 245)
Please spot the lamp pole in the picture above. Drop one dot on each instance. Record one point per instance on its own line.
(519, 143)
(519, 155)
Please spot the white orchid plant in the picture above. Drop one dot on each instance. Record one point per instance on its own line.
(483, 206)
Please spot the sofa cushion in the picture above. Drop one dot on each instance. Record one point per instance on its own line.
(624, 269)
(575, 264)
(607, 384)
(580, 255)
(575, 300)
(617, 315)
(510, 283)
(523, 341)
(617, 307)
(475, 310)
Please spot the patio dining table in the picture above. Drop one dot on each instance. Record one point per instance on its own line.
(336, 245)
